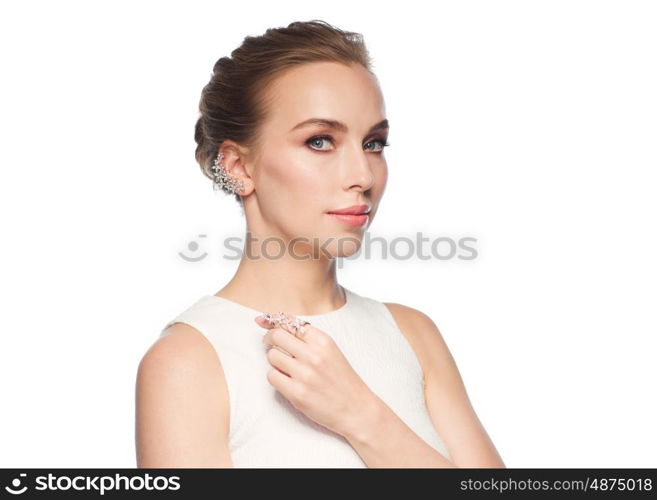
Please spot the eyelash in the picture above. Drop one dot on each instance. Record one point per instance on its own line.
(384, 143)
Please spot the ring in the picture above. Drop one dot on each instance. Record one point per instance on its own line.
(299, 326)
(295, 327)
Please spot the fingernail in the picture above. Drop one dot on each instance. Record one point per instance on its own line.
(262, 317)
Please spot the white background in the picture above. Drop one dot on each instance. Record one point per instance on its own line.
(528, 125)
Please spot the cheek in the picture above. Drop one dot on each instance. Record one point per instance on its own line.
(380, 182)
(294, 195)
(299, 183)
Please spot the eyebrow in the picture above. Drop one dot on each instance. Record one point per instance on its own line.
(337, 125)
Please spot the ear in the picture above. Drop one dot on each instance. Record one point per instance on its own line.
(237, 162)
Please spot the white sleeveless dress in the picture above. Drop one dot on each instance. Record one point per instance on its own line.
(266, 431)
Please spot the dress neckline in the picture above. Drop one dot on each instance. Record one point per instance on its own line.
(348, 300)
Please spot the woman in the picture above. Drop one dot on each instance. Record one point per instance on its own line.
(294, 125)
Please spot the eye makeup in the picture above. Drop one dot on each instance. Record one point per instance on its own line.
(309, 142)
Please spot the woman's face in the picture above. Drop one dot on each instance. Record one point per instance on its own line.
(304, 171)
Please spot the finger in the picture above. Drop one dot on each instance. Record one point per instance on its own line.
(268, 346)
(302, 329)
(296, 326)
(281, 382)
(282, 338)
(287, 364)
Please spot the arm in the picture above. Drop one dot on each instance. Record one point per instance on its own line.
(446, 398)
(382, 439)
(182, 412)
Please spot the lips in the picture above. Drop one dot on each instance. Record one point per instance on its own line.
(353, 210)
(351, 220)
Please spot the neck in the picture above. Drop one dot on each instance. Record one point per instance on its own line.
(278, 281)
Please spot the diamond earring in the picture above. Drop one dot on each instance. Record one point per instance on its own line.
(222, 179)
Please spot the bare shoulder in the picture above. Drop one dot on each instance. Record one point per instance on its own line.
(423, 335)
(182, 406)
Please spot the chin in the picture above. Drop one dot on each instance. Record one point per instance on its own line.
(343, 245)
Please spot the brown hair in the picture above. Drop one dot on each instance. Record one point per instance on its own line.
(232, 103)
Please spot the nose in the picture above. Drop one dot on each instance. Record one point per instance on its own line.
(358, 168)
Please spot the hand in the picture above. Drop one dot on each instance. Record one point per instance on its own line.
(313, 374)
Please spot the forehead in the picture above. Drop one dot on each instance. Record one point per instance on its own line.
(327, 89)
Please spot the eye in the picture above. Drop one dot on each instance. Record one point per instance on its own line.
(318, 139)
(384, 143)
